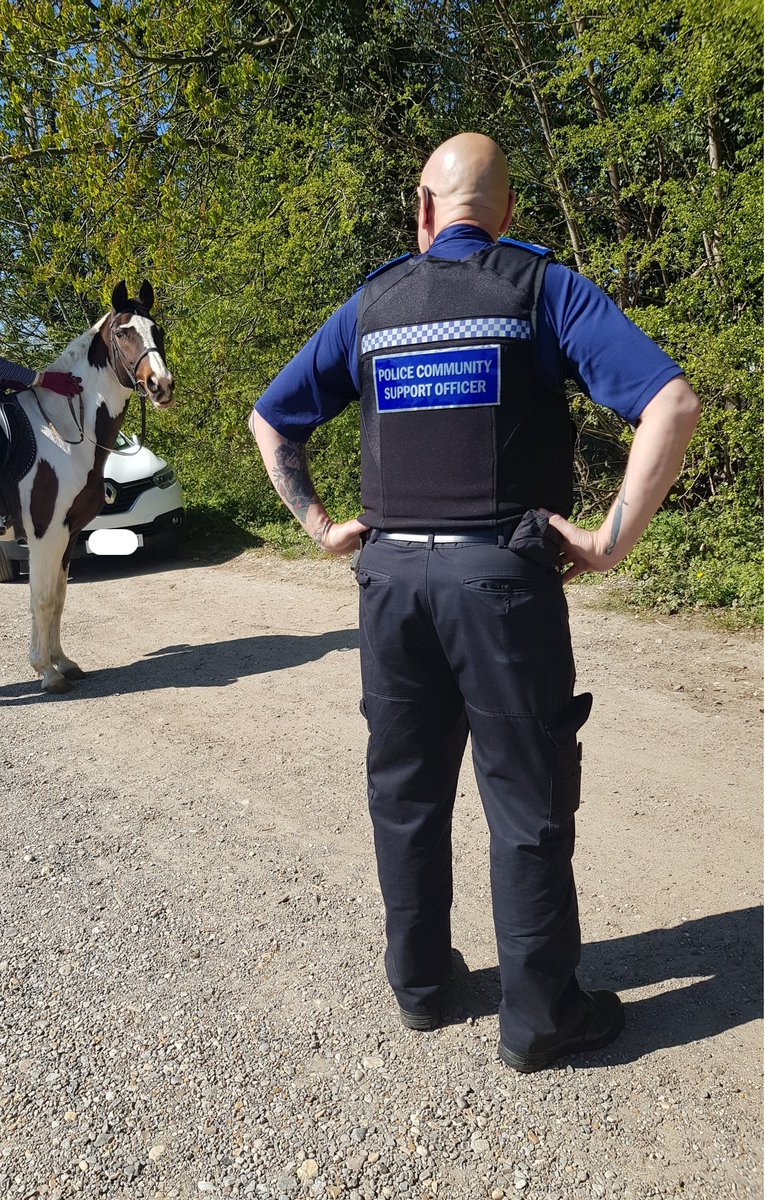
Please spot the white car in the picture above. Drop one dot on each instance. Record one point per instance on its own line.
(143, 496)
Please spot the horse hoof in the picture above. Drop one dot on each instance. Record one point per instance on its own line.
(58, 687)
(73, 672)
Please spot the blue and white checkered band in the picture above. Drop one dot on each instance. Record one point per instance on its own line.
(446, 331)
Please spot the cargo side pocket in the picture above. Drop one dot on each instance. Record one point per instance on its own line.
(566, 760)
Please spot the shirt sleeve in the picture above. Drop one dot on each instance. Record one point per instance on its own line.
(12, 373)
(583, 335)
(319, 382)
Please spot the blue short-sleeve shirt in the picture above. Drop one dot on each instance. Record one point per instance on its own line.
(581, 334)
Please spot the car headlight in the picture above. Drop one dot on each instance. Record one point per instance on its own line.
(165, 477)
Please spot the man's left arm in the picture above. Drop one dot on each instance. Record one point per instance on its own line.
(663, 433)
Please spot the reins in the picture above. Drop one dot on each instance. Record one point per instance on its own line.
(79, 425)
(139, 444)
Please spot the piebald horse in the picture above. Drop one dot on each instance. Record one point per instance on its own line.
(64, 488)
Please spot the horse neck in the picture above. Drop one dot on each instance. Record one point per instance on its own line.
(100, 385)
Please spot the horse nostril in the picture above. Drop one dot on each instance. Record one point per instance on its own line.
(164, 394)
(152, 384)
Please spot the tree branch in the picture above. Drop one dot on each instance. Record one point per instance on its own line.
(188, 57)
(141, 139)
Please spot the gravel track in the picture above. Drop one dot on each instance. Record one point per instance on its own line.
(193, 996)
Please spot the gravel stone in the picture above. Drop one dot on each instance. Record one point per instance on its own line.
(193, 990)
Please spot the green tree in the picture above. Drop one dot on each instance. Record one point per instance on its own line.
(256, 161)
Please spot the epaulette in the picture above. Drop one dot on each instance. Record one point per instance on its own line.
(544, 251)
(387, 265)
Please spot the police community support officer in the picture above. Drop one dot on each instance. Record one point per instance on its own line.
(459, 357)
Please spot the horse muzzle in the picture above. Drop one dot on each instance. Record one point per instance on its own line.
(160, 390)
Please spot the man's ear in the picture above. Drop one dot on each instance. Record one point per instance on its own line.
(424, 195)
(424, 216)
(512, 200)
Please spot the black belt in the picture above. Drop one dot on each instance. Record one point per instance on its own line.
(489, 536)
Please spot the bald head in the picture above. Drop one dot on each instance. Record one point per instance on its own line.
(466, 180)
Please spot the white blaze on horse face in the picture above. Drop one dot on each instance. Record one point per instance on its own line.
(152, 371)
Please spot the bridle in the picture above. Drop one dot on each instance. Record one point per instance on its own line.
(135, 383)
(129, 370)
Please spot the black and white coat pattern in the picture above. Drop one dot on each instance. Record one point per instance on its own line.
(64, 489)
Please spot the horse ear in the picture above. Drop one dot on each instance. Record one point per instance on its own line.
(120, 297)
(146, 295)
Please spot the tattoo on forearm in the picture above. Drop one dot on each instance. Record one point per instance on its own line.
(616, 524)
(318, 533)
(291, 479)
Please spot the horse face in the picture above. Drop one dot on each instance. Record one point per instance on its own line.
(139, 345)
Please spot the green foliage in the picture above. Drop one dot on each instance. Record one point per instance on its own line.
(256, 161)
(289, 538)
(708, 558)
(335, 468)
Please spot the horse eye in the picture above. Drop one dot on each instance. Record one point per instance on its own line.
(120, 333)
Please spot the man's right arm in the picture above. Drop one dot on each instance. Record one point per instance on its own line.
(287, 467)
(317, 384)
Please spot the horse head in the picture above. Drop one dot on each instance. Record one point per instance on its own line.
(136, 345)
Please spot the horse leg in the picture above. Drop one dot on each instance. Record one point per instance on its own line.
(46, 597)
(67, 667)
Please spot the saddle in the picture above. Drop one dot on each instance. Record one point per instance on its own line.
(18, 451)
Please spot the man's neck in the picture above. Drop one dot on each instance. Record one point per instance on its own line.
(461, 222)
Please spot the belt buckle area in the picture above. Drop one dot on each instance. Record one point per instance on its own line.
(404, 537)
(455, 538)
(485, 536)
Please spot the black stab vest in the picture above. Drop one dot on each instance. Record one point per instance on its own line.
(457, 457)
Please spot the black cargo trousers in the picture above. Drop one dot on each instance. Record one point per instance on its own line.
(473, 637)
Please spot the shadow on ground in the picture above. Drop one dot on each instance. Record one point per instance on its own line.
(93, 568)
(712, 969)
(214, 664)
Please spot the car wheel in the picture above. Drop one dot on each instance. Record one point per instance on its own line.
(9, 568)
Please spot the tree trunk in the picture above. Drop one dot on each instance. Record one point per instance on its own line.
(562, 189)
